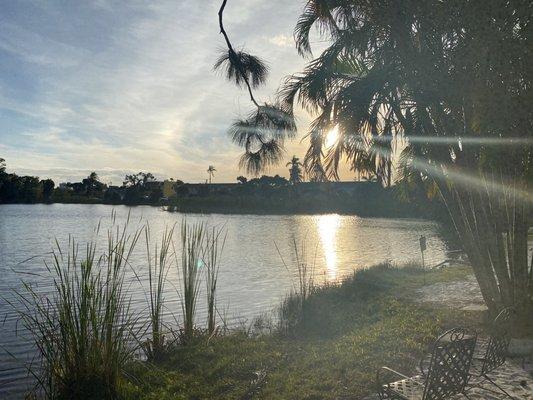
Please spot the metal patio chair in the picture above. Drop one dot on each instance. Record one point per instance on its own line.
(491, 354)
(447, 372)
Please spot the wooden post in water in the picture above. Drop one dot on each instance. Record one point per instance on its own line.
(422, 241)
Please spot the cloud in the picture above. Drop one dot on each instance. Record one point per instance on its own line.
(282, 41)
(34, 48)
(123, 87)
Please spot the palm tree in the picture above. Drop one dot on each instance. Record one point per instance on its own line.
(295, 170)
(316, 173)
(211, 172)
(418, 71)
(420, 83)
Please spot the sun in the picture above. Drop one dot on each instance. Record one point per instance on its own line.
(332, 137)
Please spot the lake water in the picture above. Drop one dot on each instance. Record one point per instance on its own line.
(252, 279)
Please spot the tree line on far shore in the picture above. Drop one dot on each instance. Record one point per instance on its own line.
(23, 189)
(136, 188)
(139, 188)
(264, 194)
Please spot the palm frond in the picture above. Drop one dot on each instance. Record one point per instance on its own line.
(268, 155)
(240, 67)
(262, 136)
(317, 13)
(313, 160)
(267, 122)
(273, 118)
(246, 134)
(320, 81)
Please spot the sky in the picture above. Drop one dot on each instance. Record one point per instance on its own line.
(126, 86)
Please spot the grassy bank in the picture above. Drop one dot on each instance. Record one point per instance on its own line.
(342, 335)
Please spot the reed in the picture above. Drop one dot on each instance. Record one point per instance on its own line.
(291, 309)
(158, 268)
(83, 331)
(215, 240)
(192, 238)
(302, 266)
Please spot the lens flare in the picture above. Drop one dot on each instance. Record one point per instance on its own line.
(469, 140)
(332, 137)
(465, 178)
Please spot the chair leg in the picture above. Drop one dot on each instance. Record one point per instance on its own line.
(499, 387)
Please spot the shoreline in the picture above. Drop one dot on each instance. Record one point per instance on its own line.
(345, 331)
(241, 212)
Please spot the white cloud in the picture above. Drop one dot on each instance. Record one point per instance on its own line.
(282, 41)
(37, 49)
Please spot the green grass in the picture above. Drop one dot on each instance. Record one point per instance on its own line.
(345, 333)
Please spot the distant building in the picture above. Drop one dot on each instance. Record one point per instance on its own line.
(76, 187)
(206, 189)
(350, 188)
(153, 185)
(169, 189)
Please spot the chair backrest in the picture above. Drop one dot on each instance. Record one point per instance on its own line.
(450, 361)
(499, 341)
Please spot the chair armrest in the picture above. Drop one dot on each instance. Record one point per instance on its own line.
(380, 383)
(393, 371)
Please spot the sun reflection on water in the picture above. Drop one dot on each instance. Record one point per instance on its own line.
(328, 226)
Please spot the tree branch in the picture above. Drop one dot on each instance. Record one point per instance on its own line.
(230, 48)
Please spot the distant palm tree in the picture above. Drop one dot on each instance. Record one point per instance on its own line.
(93, 176)
(211, 172)
(92, 183)
(295, 170)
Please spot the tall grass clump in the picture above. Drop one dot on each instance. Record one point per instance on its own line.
(158, 268)
(291, 309)
(215, 239)
(192, 238)
(83, 330)
(302, 266)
